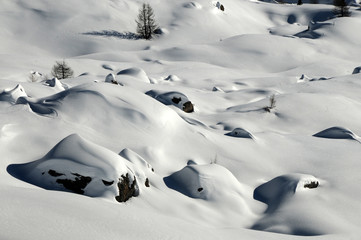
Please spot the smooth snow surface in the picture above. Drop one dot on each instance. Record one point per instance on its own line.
(238, 166)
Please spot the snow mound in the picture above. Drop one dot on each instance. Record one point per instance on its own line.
(142, 166)
(55, 83)
(177, 99)
(51, 105)
(135, 72)
(336, 133)
(12, 95)
(172, 78)
(79, 166)
(208, 182)
(110, 78)
(274, 192)
(240, 133)
(295, 206)
(217, 89)
(356, 70)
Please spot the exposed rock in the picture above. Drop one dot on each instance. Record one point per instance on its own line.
(188, 107)
(126, 188)
(312, 184)
(147, 184)
(54, 173)
(176, 100)
(76, 185)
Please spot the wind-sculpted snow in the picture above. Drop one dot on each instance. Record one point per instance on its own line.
(62, 101)
(13, 95)
(55, 83)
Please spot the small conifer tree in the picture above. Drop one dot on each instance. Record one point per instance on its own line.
(61, 70)
(146, 24)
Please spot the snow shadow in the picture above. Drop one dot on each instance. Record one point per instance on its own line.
(310, 32)
(113, 33)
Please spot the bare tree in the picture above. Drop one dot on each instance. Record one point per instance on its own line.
(61, 70)
(146, 24)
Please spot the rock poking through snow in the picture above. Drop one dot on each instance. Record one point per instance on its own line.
(177, 99)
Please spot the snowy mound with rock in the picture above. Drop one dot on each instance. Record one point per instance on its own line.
(78, 166)
(237, 119)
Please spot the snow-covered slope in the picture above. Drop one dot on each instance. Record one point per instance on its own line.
(182, 128)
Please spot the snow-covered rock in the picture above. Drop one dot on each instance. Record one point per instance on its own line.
(336, 133)
(136, 73)
(177, 99)
(240, 133)
(110, 78)
(12, 95)
(79, 166)
(55, 83)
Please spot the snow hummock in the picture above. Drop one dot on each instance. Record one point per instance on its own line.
(74, 158)
(55, 83)
(240, 133)
(336, 133)
(136, 73)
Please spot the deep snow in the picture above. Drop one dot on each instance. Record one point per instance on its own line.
(228, 170)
